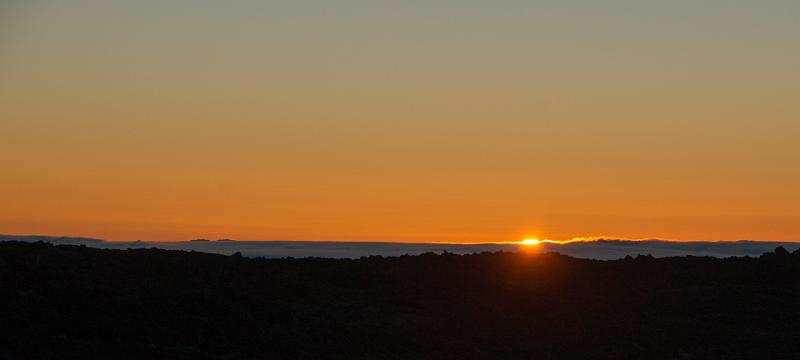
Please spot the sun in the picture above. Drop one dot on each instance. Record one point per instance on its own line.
(530, 242)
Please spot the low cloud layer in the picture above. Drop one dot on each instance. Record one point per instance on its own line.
(596, 249)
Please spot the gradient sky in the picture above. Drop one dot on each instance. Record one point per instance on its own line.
(447, 121)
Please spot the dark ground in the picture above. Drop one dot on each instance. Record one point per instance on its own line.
(59, 302)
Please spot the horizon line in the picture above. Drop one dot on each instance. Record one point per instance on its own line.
(545, 240)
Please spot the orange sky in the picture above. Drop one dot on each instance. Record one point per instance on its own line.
(451, 121)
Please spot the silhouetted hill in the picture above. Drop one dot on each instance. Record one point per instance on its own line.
(71, 301)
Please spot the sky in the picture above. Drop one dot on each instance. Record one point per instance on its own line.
(412, 121)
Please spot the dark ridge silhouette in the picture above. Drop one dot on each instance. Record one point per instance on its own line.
(69, 301)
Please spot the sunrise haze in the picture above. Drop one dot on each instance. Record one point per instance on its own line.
(436, 121)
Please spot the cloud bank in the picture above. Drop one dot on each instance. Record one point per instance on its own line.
(600, 249)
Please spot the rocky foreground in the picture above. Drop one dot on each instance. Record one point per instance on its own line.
(66, 301)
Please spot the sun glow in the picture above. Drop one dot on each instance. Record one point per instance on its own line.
(530, 242)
